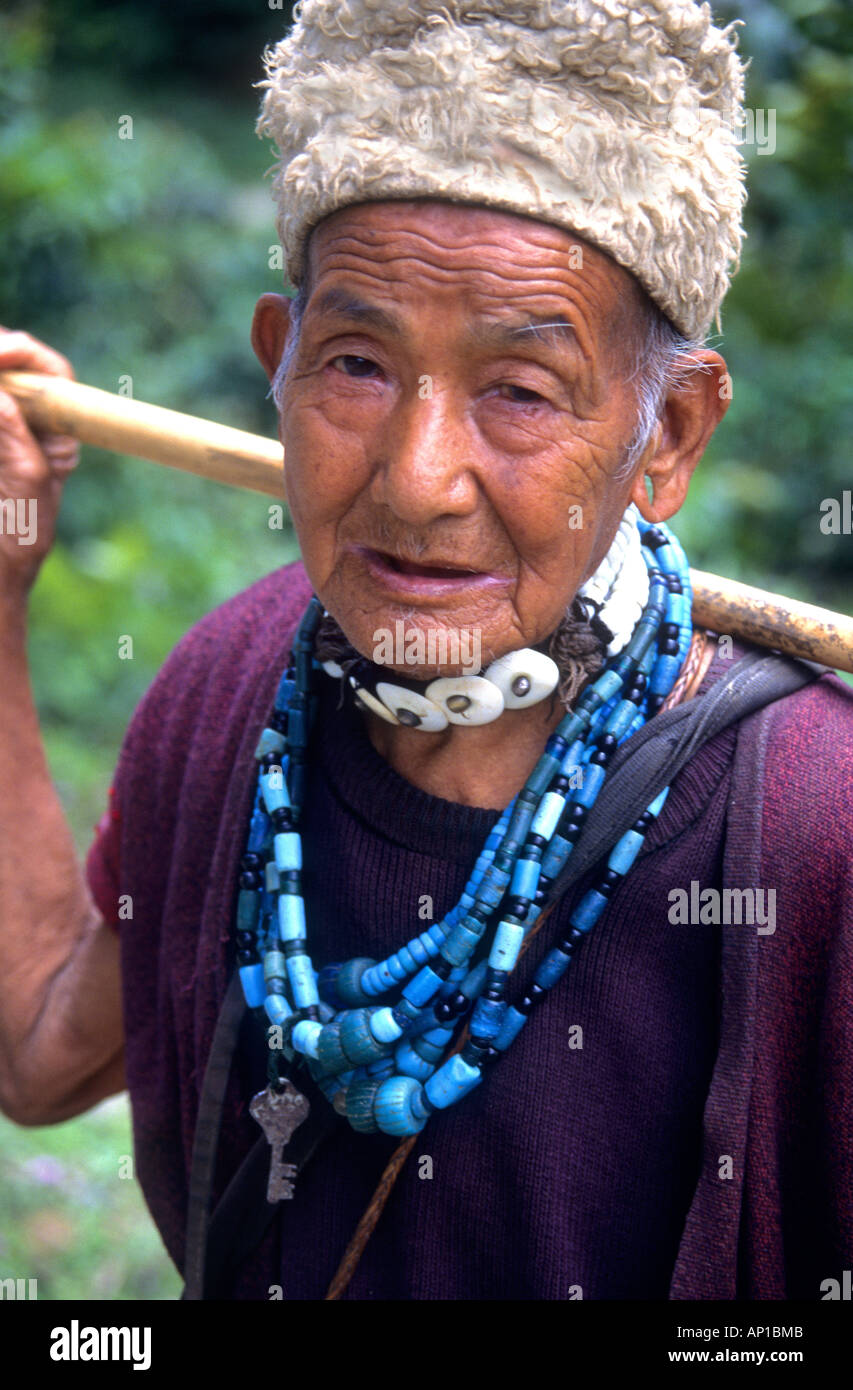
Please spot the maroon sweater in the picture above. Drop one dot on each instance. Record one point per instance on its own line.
(697, 1145)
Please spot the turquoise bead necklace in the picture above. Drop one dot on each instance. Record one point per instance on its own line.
(386, 1065)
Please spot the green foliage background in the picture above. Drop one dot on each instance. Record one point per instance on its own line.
(144, 257)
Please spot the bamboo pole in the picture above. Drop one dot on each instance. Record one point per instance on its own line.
(55, 405)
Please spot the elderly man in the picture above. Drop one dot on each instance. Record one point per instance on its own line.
(493, 393)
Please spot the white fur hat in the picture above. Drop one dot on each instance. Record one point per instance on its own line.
(615, 120)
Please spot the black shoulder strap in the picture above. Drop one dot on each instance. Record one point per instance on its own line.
(639, 771)
(206, 1138)
(649, 761)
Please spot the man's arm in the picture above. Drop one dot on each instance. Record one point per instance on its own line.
(61, 1032)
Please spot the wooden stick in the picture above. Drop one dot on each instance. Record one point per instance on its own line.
(55, 405)
(771, 620)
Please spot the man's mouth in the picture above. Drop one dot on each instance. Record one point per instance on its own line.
(435, 575)
(436, 569)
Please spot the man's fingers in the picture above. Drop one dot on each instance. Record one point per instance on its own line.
(13, 426)
(33, 458)
(21, 352)
(62, 451)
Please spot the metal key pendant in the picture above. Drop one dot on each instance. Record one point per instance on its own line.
(279, 1113)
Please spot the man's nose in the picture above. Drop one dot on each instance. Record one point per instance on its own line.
(426, 468)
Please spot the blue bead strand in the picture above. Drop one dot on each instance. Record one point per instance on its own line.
(386, 1065)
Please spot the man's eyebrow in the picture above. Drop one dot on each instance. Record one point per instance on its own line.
(553, 331)
(346, 305)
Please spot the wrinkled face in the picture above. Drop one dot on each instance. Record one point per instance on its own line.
(450, 461)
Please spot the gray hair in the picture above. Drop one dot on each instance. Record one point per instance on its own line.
(665, 359)
(297, 309)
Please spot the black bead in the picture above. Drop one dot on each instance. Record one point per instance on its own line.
(268, 761)
(251, 861)
(278, 721)
(532, 997)
(537, 840)
(458, 1002)
(540, 894)
(655, 702)
(610, 878)
(246, 956)
(517, 907)
(494, 985)
(489, 1056)
(250, 879)
(245, 940)
(443, 1012)
(577, 812)
(654, 538)
(440, 967)
(560, 784)
(599, 758)
(642, 825)
(282, 820)
(607, 743)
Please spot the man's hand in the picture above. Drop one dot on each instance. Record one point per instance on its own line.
(33, 469)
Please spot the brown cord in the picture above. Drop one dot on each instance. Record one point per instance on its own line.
(692, 663)
(366, 1226)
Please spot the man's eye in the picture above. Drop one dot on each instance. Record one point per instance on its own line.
(354, 366)
(520, 394)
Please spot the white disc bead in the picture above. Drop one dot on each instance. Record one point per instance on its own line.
(524, 677)
(466, 699)
(411, 708)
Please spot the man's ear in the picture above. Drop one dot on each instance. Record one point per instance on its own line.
(270, 330)
(690, 415)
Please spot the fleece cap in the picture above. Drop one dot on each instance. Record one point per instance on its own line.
(616, 121)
